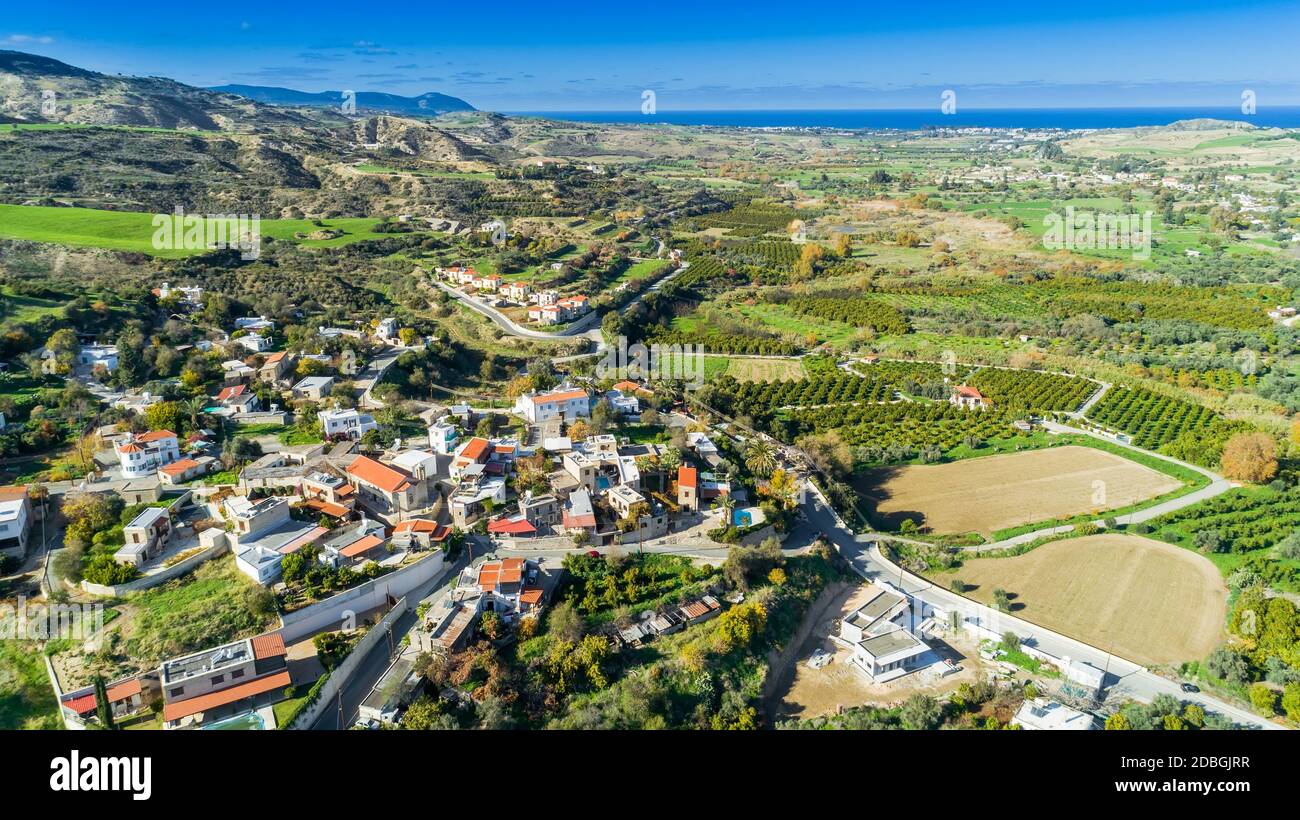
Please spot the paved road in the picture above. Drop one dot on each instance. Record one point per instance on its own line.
(1124, 678)
(374, 665)
(373, 374)
(587, 326)
(504, 322)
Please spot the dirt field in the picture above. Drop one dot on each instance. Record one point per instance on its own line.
(815, 692)
(1146, 600)
(988, 494)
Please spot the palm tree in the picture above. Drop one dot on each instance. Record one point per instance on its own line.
(760, 457)
(728, 506)
(670, 459)
(195, 408)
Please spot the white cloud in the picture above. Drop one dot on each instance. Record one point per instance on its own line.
(26, 40)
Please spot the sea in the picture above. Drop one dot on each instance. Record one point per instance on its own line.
(913, 119)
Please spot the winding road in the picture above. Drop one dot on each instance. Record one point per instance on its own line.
(1124, 678)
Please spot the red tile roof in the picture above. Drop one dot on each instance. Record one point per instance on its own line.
(85, 704)
(687, 477)
(270, 645)
(511, 526)
(577, 521)
(416, 525)
(437, 532)
(302, 540)
(361, 547)
(567, 395)
(155, 435)
(380, 475)
(326, 507)
(231, 392)
(193, 706)
(505, 571)
(475, 449)
(531, 595)
(178, 467)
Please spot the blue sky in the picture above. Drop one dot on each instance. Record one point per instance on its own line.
(697, 55)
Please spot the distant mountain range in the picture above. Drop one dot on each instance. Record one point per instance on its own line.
(424, 105)
(44, 90)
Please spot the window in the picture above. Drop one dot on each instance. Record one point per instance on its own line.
(235, 675)
(177, 692)
(218, 679)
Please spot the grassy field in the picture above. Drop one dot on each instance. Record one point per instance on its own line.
(26, 699)
(1150, 602)
(133, 231)
(215, 604)
(757, 369)
(985, 495)
(27, 308)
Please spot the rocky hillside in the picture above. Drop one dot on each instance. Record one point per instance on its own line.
(35, 89)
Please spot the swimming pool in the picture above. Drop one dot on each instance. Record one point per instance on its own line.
(245, 721)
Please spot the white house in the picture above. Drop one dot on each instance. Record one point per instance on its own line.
(145, 536)
(254, 323)
(255, 342)
(141, 455)
(349, 423)
(15, 518)
(968, 398)
(879, 635)
(443, 436)
(313, 387)
(94, 355)
(1044, 714)
(568, 404)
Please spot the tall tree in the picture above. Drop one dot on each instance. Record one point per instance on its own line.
(103, 709)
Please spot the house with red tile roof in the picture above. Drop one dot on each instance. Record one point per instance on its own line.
(475, 450)
(141, 455)
(569, 404)
(688, 488)
(505, 587)
(228, 680)
(420, 533)
(969, 398)
(385, 490)
(354, 543)
(276, 367)
(125, 697)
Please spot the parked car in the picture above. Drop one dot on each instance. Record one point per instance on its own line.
(593, 553)
(1189, 687)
